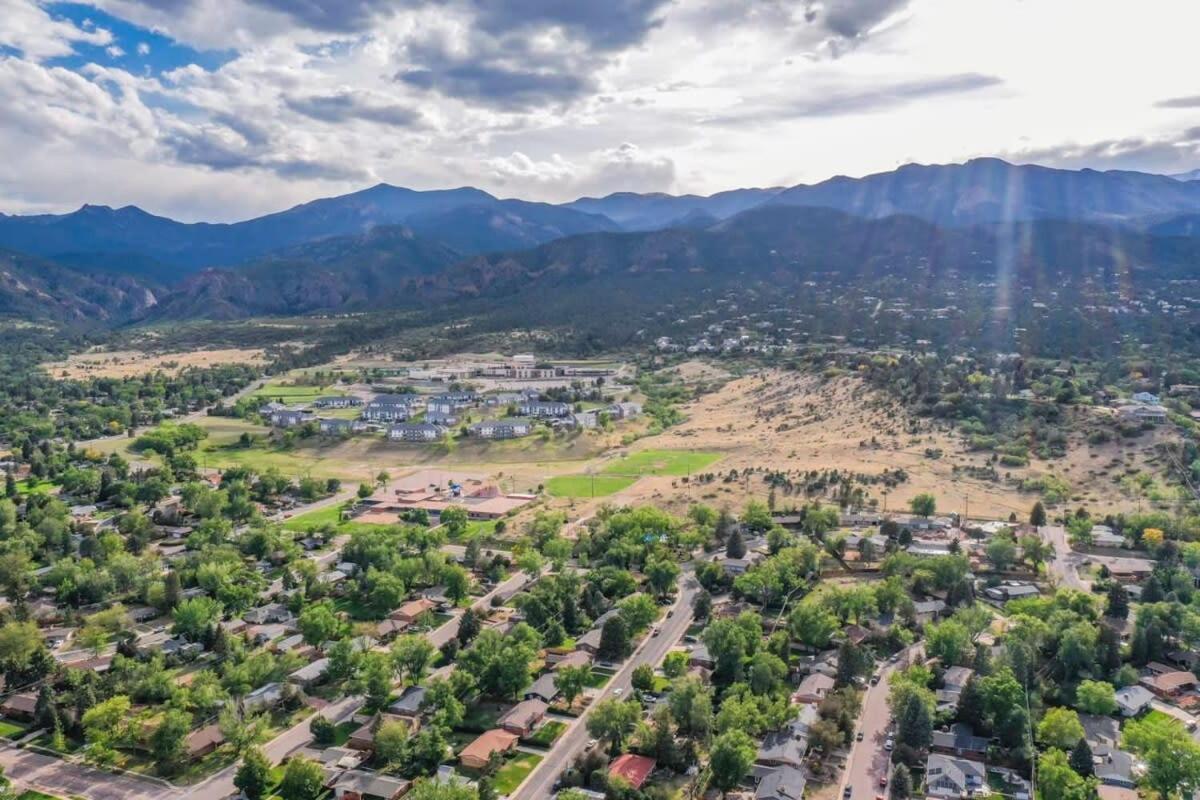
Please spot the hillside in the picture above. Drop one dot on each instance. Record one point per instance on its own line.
(35, 289)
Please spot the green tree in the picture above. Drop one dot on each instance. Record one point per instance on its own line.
(643, 677)
(1171, 756)
(614, 640)
(734, 546)
(318, 623)
(253, 775)
(391, 743)
(1060, 728)
(901, 786)
(638, 611)
(661, 574)
(455, 519)
(168, 740)
(1037, 515)
(412, 654)
(195, 616)
(1095, 697)
(303, 779)
(675, 664)
(1056, 779)
(923, 505)
(730, 759)
(1082, 760)
(1002, 552)
(812, 624)
(612, 720)
(571, 681)
(948, 641)
(915, 727)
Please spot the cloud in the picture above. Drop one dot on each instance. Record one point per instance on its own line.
(1163, 155)
(143, 49)
(29, 29)
(351, 104)
(495, 85)
(609, 25)
(622, 168)
(842, 102)
(852, 19)
(1180, 102)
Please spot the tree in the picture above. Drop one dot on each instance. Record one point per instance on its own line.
(638, 611)
(391, 742)
(813, 624)
(1002, 552)
(1172, 758)
(661, 574)
(1117, 603)
(734, 546)
(319, 623)
(643, 677)
(613, 720)
(948, 641)
(923, 505)
(571, 681)
(195, 616)
(1081, 759)
(458, 583)
(1056, 779)
(614, 640)
(701, 605)
(675, 664)
(915, 727)
(303, 779)
(323, 731)
(412, 654)
(469, 627)
(1060, 728)
(756, 517)
(1095, 697)
(167, 741)
(901, 788)
(1037, 515)
(730, 759)
(253, 775)
(455, 520)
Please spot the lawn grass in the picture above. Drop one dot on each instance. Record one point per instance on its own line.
(292, 394)
(509, 777)
(661, 462)
(34, 486)
(480, 718)
(10, 729)
(547, 734)
(322, 517)
(597, 679)
(587, 485)
(34, 794)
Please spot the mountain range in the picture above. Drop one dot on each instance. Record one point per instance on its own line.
(391, 247)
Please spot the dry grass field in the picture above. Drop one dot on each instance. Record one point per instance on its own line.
(128, 363)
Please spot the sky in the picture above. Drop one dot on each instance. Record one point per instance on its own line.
(226, 109)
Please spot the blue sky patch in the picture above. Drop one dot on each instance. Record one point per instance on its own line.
(135, 49)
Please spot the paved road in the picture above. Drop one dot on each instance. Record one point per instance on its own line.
(1066, 561)
(538, 785)
(505, 590)
(30, 770)
(868, 759)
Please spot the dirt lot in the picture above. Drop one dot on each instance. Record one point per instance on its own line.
(127, 363)
(795, 423)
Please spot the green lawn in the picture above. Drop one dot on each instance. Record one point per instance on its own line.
(292, 394)
(33, 794)
(34, 486)
(662, 462)
(547, 734)
(480, 718)
(587, 485)
(10, 729)
(597, 678)
(509, 777)
(330, 515)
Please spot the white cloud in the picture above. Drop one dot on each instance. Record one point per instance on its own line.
(546, 100)
(143, 49)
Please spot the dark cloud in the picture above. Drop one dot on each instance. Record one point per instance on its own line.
(499, 86)
(603, 24)
(354, 105)
(215, 149)
(851, 19)
(1180, 102)
(836, 104)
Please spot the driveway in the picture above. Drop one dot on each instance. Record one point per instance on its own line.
(538, 785)
(868, 760)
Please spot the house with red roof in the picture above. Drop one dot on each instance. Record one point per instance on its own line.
(632, 768)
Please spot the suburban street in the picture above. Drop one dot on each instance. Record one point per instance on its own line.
(653, 650)
(1066, 561)
(868, 760)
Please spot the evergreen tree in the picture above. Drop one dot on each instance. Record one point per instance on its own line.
(1037, 515)
(971, 708)
(614, 640)
(1117, 606)
(734, 546)
(172, 590)
(916, 723)
(253, 775)
(1152, 591)
(469, 628)
(1081, 758)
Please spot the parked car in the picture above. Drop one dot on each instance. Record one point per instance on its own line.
(846, 793)
(858, 737)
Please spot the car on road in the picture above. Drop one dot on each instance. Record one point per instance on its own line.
(617, 691)
(846, 793)
(875, 679)
(655, 632)
(858, 737)
(883, 780)
(889, 744)
(591, 743)
(671, 613)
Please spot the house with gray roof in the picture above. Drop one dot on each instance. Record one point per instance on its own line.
(953, 777)
(416, 432)
(1133, 700)
(509, 428)
(338, 401)
(785, 783)
(543, 688)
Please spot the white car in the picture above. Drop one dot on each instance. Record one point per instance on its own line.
(617, 691)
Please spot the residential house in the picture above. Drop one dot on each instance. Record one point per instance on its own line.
(272, 612)
(19, 706)
(575, 658)
(1152, 414)
(338, 401)
(785, 747)
(340, 427)
(289, 419)
(590, 641)
(477, 753)
(624, 410)
(959, 740)
(266, 696)
(510, 428)
(1169, 684)
(700, 657)
(543, 688)
(358, 784)
(785, 783)
(390, 407)
(415, 432)
(409, 703)
(813, 688)
(953, 777)
(925, 611)
(411, 611)
(541, 409)
(1011, 590)
(523, 717)
(1103, 536)
(953, 682)
(363, 737)
(309, 674)
(631, 768)
(1133, 700)
(203, 741)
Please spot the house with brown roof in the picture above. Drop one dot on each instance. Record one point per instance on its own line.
(576, 658)
(521, 718)
(203, 741)
(477, 753)
(631, 768)
(364, 737)
(813, 688)
(20, 706)
(413, 609)
(1169, 684)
